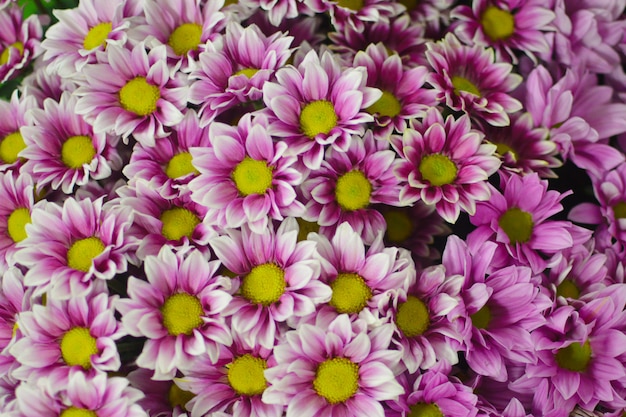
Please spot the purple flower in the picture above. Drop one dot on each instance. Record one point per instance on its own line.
(19, 40)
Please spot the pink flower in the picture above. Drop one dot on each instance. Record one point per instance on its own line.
(13, 116)
(17, 198)
(19, 40)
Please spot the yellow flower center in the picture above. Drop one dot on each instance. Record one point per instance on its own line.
(11, 146)
(336, 379)
(248, 72)
(412, 317)
(178, 222)
(16, 224)
(424, 410)
(568, 289)
(463, 84)
(574, 357)
(350, 293)
(399, 225)
(252, 176)
(185, 38)
(77, 151)
(77, 346)
(14, 330)
(503, 149)
(245, 375)
(181, 314)
(178, 397)
(482, 317)
(305, 228)
(4, 56)
(355, 5)
(264, 284)
(409, 4)
(139, 97)
(180, 165)
(438, 169)
(97, 36)
(497, 24)
(77, 412)
(81, 254)
(386, 105)
(318, 117)
(517, 224)
(619, 210)
(353, 191)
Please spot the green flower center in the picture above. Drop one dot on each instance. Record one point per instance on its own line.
(517, 224)
(412, 317)
(97, 36)
(77, 412)
(574, 357)
(139, 97)
(178, 222)
(178, 397)
(185, 38)
(409, 4)
(497, 24)
(81, 254)
(482, 317)
(350, 293)
(424, 410)
(305, 227)
(318, 117)
(463, 84)
(353, 191)
(355, 5)
(386, 105)
(264, 284)
(11, 146)
(181, 314)
(438, 169)
(180, 165)
(245, 375)
(252, 177)
(248, 72)
(568, 289)
(77, 346)
(4, 56)
(336, 379)
(16, 224)
(77, 151)
(399, 225)
(619, 210)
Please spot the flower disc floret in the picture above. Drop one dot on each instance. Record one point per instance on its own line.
(77, 412)
(178, 397)
(412, 318)
(16, 224)
(568, 289)
(318, 117)
(245, 375)
(424, 410)
(387, 105)
(353, 190)
(139, 96)
(574, 357)
(77, 150)
(517, 224)
(264, 285)
(181, 314)
(4, 56)
(185, 38)
(482, 317)
(438, 169)
(463, 84)
(180, 165)
(336, 379)
(252, 177)
(81, 254)
(178, 222)
(350, 293)
(77, 346)
(498, 24)
(11, 146)
(97, 35)
(619, 210)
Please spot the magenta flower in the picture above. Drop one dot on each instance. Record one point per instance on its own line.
(433, 14)
(162, 398)
(19, 40)
(445, 164)
(279, 11)
(334, 369)
(40, 85)
(17, 198)
(13, 116)
(356, 14)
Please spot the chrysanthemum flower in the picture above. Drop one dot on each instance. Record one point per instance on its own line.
(433, 14)
(179, 310)
(66, 337)
(335, 369)
(71, 248)
(233, 69)
(41, 85)
(279, 11)
(73, 41)
(445, 164)
(356, 13)
(245, 178)
(17, 195)
(276, 278)
(468, 78)
(318, 104)
(348, 183)
(13, 115)
(132, 93)
(62, 150)
(19, 40)
(162, 398)
(507, 26)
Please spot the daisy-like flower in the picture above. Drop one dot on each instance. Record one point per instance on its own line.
(19, 40)
(17, 198)
(346, 185)
(13, 115)
(468, 78)
(233, 69)
(66, 337)
(162, 398)
(276, 278)
(334, 369)
(445, 164)
(63, 151)
(245, 178)
(73, 41)
(318, 104)
(433, 14)
(279, 11)
(179, 310)
(71, 248)
(507, 26)
(132, 93)
(356, 13)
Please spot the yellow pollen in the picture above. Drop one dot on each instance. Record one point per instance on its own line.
(305, 228)
(11, 146)
(252, 176)
(355, 5)
(318, 117)
(97, 36)
(574, 357)
(178, 397)
(181, 314)
(77, 412)
(245, 375)
(619, 210)
(336, 379)
(178, 222)
(497, 24)
(81, 254)
(180, 165)
(4, 56)
(139, 97)
(353, 191)
(463, 84)
(424, 410)
(185, 38)
(77, 346)
(482, 317)
(350, 293)
(77, 151)
(517, 224)
(386, 105)
(16, 224)
(264, 285)
(568, 289)
(412, 317)
(438, 169)
(248, 72)
(399, 225)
